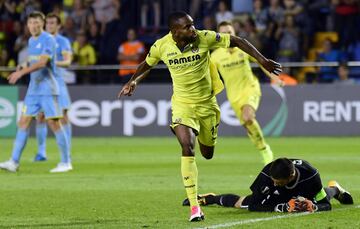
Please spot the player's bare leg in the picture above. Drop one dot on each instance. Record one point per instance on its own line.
(206, 151)
(189, 172)
(65, 119)
(255, 133)
(19, 144)
(41, 134)
(186, 138)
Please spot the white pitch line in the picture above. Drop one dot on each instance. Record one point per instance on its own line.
(248, 221)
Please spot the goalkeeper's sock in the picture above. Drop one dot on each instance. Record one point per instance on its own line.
(189, 174)
(225, 200)
(256, 135)
(19, 144)
(332, 192)
(41, 133)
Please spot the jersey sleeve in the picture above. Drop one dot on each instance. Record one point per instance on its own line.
(261, 190)
(66, 47)
(314, 189)
(48, 48)
(216, 40)
(153, 57)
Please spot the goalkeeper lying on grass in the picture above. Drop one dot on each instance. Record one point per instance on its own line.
(284, 185)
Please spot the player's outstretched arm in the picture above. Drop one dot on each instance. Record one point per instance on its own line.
(141, 72)
(243, 44)
(15, 76)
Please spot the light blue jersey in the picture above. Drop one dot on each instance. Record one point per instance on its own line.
(43, 81)
(62, 46)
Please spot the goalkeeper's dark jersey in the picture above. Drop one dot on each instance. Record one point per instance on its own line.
(265, 196)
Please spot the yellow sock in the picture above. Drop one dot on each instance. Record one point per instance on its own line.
(256, 136)
(189, 174)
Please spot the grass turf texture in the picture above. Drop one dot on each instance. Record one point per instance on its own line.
(136, 183)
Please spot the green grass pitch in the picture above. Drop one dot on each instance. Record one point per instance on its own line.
(136, 183)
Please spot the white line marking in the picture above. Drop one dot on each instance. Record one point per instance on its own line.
(248, 221)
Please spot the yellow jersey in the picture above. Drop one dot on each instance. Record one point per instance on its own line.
(190, 67)
(234, 67)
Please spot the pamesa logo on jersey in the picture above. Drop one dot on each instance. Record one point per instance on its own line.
(183, 60)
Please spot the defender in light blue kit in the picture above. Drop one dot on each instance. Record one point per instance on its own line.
(63, 59)
(42, 94)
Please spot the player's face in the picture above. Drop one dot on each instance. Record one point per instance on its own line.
(227, 29)
(35, 26)
(52, 25)
(283, 182)
(185, 30)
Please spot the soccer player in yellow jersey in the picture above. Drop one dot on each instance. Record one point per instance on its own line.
(242, 89)
(195, 111)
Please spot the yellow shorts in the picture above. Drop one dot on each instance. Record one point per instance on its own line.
(203, 118)
(248, 97)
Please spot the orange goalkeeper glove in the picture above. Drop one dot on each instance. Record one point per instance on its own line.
(299, 204)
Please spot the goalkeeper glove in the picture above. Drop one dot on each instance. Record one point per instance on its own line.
(299, 204)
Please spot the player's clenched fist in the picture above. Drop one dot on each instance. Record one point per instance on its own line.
(304, 205)
(128, 89)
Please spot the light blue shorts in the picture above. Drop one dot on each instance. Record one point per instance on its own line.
(64, 98)
(49, 104)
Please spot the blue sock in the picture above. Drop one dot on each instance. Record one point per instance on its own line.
(41, 133)
(61, 140)
(19, 143)
(68, 131)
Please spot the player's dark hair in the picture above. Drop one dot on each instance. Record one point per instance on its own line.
(281, 168)
(54, 15)
(36, 14)
(174, 17)
(224, 23)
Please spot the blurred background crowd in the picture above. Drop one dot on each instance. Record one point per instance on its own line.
(113, 32)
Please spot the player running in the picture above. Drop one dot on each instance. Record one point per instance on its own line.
(284, 185)
(195, 111)
(43, 91)
(63, 59)
(242, 88)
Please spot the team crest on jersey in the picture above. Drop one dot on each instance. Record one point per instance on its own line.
(217, 38)
(172, 54)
